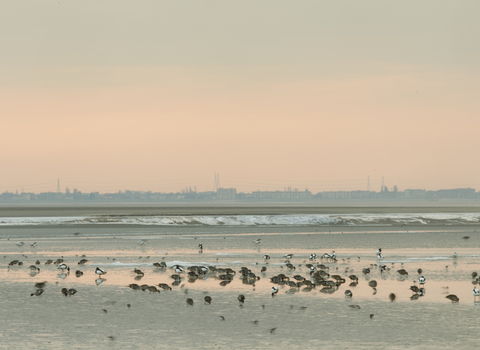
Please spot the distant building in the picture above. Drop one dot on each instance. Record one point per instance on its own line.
(285, 195)
(413, 194)
(226, 193)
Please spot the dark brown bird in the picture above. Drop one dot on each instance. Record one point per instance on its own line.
(392, 297)
(190, 302)
(37, 293)
(208, 300)
(241, 298)
(403, 272)
(453, 298)
(40, 285)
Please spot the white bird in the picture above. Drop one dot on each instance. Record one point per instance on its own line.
(453, 256)
(33, 245)
(143, 242)
(266, 257)
(476, 292)
(274, 291)
(19, 244)
(179, 269)
(313, 269)
(100, 272)
(257, 241)
(422, 280)
(313, 256)
(379, 253)
(288, 256)
(62, 266)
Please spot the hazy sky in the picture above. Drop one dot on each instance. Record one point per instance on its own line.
(158, 95)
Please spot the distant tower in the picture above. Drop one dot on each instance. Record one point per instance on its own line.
(383, 184)
(368, 183)
(216, 182)
(58, 185)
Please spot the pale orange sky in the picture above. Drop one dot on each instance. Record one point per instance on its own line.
(159, 95)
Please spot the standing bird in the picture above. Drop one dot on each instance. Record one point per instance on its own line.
(179, 269)
(422, 280)
(100, 272)
(476, 293)
(379, 253)
(274, 291)
(200, 248)
(63, 267)
(241, 298)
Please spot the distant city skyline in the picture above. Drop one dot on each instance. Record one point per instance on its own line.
(315, 187)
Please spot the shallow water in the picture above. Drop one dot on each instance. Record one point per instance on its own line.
(300, 319)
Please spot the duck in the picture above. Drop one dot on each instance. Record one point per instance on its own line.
(241, 298)
(348, 293)
(100, 272)
(208, 299)
(189, 302)
(78, 273)
(392, 296)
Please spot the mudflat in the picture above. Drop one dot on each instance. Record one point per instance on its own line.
(107, 311)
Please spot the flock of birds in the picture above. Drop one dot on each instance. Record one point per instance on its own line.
(319, 276)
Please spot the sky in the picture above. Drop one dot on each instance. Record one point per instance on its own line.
(159, 95)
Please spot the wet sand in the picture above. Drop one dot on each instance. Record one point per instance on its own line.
(98, 316)
(301, 319)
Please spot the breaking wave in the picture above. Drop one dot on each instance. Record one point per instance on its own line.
(253, 220)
